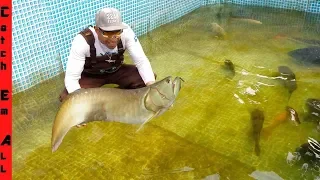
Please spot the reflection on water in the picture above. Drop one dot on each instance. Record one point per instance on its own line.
(208, 132)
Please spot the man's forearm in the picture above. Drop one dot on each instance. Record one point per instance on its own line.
(71, 84)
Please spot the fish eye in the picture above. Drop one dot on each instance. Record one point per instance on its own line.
(168, 80)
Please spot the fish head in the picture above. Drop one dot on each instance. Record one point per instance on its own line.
(177, 85)
(257, 115)
(293, 115)
(163, 93)
(228, 62)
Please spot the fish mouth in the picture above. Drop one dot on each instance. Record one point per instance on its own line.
(176, 85)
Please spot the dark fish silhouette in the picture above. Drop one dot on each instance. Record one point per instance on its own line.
(288, 79)
(293, 115)
(229, 67)
(310, 151)
(219, 15)
(313, 106)
(257, 119)
(307, 56)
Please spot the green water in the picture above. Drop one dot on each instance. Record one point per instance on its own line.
(207, 131)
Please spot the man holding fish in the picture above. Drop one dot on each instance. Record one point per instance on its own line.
(96, 56)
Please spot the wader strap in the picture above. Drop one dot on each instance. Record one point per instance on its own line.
(88, 35)
(120, 51)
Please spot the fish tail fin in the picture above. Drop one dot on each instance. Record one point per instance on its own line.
(55, 144)
(57, 137)
(290, 93)
(257, 149)
(266, 133)
(61, 126)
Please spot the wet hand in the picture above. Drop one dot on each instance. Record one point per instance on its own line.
(149, 83)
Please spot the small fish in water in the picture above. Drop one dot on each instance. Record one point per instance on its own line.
(229, 67)
(310, 151)
(217, 30)
(307, 56)
(293, 115)
(220, 14)
(257, 119)
(244, 17)
(288, 78)
(279, 119)
(247, 20)
(314, 146)
(288, 114)
(313, 106)
(293, 157)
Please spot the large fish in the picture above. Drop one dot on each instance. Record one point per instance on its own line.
(257, 119)
(132, 106)
(307, 56)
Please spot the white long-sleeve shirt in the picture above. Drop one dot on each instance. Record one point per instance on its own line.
(80, 50)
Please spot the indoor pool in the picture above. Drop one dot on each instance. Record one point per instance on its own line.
(207, 134)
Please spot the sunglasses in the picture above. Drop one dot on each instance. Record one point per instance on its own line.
(111, 34)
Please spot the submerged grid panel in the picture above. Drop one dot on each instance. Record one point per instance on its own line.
(314, 7)
(43, 29)
(32, 41)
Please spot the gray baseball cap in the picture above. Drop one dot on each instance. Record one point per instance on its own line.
(109, 19)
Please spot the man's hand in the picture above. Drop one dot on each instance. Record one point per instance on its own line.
(76, 91)
(149, 83)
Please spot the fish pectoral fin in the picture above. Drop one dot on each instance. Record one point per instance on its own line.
(156, 114)
(266, 133)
